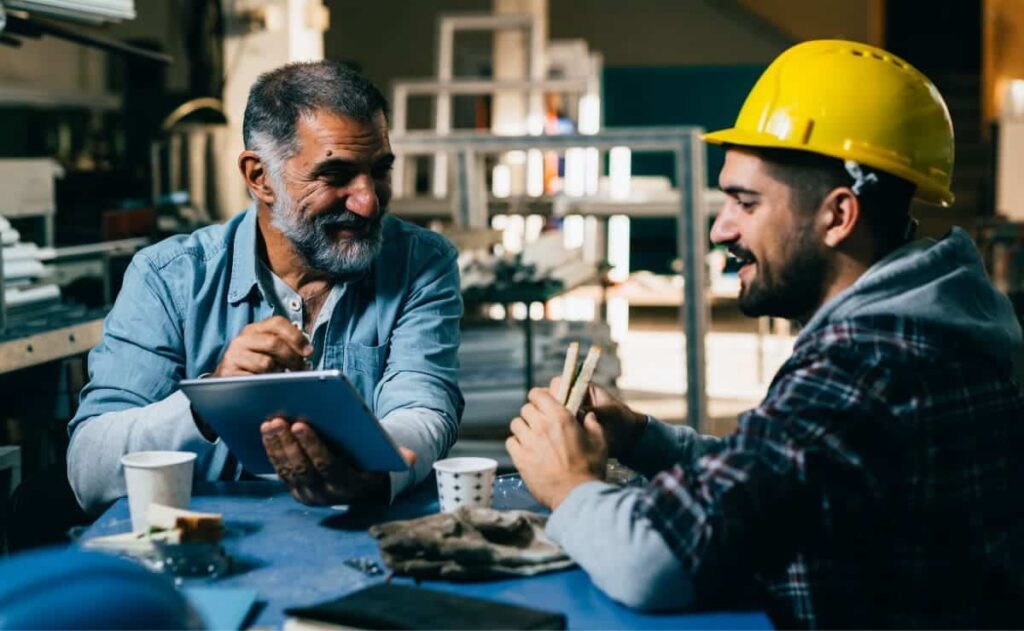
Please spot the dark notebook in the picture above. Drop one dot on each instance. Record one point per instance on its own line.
(391, 606)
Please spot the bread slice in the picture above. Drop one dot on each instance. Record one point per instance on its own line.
(195, 527)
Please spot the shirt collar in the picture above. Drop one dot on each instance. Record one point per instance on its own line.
(243, 258)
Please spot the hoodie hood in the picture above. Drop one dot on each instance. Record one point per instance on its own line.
(935, 282)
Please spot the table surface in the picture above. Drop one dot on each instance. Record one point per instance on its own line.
(293, 554)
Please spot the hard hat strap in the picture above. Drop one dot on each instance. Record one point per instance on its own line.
(911, 230)
(860, 178)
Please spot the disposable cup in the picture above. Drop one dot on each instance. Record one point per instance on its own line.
(465, 482)
(160, 477)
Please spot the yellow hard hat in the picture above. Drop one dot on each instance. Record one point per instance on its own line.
(853, 102)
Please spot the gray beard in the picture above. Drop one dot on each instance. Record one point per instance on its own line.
(338, 259)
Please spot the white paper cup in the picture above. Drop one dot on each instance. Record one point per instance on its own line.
(465, 482)
(160, 477)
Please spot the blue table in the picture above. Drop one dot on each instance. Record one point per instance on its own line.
(293, 555)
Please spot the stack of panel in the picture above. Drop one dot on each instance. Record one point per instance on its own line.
(26, 280)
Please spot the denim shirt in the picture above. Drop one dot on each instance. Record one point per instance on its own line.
(394, 333)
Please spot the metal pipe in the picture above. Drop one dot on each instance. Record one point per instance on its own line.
(692, 247)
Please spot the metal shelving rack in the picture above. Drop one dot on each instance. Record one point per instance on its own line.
(470, 208)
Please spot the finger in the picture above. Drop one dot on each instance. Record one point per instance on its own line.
(409, 455)
(514, 449)
(544, 400)
(269, 431)
(282, 353)
(253, 362)
(303, 472)
(541, 420)
(528, 409)
(519, 428)
(593, 428)
(556, 381)
(288, 332)
(315, 450)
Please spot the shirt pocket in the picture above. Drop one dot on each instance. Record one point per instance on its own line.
(364, 366)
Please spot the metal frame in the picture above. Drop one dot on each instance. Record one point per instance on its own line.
(685, 145)
(447, 26)
(404, 176)
(10, 458)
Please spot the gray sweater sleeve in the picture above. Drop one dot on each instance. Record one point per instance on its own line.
(624, 555)
(428, 433)
(97, 444)
(662, 446)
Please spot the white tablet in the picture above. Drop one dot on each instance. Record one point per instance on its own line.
(236, 406)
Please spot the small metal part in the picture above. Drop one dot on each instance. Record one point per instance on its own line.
(366, 565)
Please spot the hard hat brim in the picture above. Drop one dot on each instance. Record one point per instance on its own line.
(742, 138)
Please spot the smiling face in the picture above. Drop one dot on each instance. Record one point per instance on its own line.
(784, 266)
(332, 194)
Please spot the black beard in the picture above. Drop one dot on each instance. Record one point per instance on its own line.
(795, 290)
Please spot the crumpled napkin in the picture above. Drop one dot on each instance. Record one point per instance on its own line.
(472, 543)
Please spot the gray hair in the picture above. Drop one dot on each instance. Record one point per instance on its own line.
(281, 96)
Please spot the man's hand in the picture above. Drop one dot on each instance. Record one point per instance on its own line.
(272, 345)
(622, 426)
(316, 476)
(552, 451)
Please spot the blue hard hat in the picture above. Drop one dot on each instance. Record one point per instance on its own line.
(67, 588)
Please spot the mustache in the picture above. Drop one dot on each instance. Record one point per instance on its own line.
(741, 252)
(347, 220)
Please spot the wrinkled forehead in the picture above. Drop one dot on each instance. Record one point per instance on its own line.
(326, 134)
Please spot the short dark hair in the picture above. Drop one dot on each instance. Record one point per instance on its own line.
(280, 96)
(885, 203)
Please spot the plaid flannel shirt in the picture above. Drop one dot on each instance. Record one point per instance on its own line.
(877, 485)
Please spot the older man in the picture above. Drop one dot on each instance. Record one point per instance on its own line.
(877, 484)
(314, 274)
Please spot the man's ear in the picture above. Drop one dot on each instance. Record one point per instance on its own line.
(257, 178)
(839, 216)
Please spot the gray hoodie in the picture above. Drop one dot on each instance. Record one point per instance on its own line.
(936, 282)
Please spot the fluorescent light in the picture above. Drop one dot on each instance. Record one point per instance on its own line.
(572, 231)
(575, 165)
(618, 248)
(534, 226)
(501, 181)
(590, 114)
(512, 238)
(534, 173)
(619, 171)
(535, 124)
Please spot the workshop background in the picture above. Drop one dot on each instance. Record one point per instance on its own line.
(120, 124)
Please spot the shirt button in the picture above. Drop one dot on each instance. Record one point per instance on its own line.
(295, 305)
